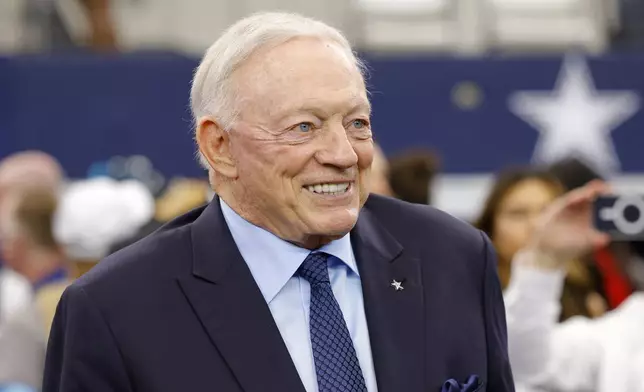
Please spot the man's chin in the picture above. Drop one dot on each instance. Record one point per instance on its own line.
(336, 222)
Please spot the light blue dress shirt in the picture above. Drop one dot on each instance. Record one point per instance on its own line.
(273, 263)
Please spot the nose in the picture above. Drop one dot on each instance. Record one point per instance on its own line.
(337, 149)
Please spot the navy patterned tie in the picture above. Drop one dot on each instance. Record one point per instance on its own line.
(336, 362)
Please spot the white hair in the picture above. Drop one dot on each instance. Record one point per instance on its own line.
(212, 93)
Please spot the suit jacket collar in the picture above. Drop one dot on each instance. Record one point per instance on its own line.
(232, 310)
(235, 315)
(395, 317)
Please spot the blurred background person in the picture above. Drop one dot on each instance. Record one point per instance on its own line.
(181, 196)
(411, 174)
(580, 354)
(22, 330)
(22, 350)
(64, 25)
(610, 261)
(29, 247)
(573, 173)
(95, 214)
(379, 175)
(517, 198)
(30, 169)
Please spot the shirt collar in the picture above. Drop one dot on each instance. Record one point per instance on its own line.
(273, 261)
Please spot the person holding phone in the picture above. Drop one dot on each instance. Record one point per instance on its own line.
(581, 354)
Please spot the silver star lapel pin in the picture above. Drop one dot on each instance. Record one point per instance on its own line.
(397, 285)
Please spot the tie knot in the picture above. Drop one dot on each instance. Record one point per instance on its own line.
(314, 269)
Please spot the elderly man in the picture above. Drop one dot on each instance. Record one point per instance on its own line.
(289, 280)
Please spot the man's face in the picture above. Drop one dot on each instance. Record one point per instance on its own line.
(302, 144)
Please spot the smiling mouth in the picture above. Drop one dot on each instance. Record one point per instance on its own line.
(331, 189)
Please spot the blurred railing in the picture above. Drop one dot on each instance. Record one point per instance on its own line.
(455, 26)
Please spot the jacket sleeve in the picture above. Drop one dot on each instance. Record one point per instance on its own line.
(546, 354)
(499, 371)
(82, 354)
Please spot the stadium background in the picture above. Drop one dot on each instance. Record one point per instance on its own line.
(449, 75)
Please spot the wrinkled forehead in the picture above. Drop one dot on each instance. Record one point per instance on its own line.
(301, 72)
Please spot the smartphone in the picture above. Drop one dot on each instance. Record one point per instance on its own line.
(620, 216)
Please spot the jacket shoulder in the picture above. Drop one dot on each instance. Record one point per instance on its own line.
(417, 221)
(158, 256)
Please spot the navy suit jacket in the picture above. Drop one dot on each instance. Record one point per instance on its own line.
(180, 311)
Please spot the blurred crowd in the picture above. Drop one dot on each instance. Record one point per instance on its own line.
(53, 230)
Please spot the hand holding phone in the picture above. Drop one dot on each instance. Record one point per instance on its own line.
(565, 230)
(620, 216)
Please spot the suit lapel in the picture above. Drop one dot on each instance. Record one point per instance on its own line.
(233, 311)
(395, 317)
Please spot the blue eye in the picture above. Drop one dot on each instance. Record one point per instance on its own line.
(359, 124)
(304, 127)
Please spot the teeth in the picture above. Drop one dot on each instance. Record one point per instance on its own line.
(329, 189)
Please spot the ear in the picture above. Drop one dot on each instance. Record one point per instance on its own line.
(214, 145)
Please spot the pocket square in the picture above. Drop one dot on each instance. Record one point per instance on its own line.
(473, 384)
